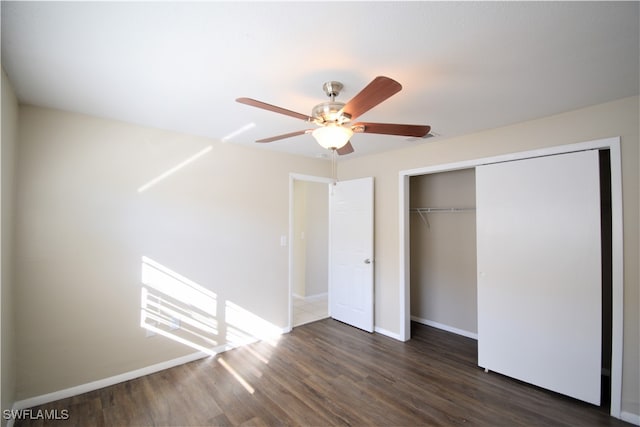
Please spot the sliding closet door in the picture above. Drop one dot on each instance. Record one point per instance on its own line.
(539, 283)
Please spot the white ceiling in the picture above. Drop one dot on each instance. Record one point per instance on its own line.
(464, 66)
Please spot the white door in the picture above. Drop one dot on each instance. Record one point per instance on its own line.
(539, 272)
(351, 252)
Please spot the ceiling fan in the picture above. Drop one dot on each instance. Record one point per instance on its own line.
(334, 119)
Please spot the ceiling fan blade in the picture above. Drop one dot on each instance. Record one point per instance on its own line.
(286, 135)
(269, 107)
(380, 89)
(392, 129)
(346, 149)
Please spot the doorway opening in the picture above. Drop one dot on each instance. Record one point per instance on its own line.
(308, 249)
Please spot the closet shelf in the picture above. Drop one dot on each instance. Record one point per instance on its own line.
(422, 211)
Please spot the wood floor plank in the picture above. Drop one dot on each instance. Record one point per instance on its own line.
(327, 373)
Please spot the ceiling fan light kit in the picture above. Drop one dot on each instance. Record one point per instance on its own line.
(332, 137)
(333, 118)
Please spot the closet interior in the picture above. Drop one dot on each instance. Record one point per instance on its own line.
(443, 251)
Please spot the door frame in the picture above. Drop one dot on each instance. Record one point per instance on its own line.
(612, 144)
(292, 178)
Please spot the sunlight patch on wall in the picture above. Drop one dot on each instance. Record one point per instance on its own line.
(174, 169)
(244, 327)
(184, 311)
(178, 308)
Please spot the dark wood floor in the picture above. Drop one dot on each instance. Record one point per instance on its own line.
(327, 373)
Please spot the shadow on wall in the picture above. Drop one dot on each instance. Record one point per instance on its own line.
(178, 308)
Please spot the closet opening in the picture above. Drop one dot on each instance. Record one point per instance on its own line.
(608, 157)
(443, 251)
(442, 256)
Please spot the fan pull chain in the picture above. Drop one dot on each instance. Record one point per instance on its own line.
(334, 166)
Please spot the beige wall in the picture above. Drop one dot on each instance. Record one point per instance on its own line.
(8, 157)
(83, 228)
(443, 250)
(618, 118)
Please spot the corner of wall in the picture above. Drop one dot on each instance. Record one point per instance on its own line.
(7, 184)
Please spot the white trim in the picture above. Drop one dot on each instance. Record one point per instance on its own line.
(311, 178)
(292, 178)
(617, 284)
(314, 297)
(387, 333)
(630, 417)
(444, 327)
(540, 152)
(405, 261)
(106, 382)
(613, 144)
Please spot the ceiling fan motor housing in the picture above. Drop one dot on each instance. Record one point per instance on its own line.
(330, 112)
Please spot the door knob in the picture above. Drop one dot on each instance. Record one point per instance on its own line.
(367, 261)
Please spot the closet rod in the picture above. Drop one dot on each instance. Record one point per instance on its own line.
(429, 210)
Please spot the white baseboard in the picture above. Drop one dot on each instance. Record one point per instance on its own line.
(630, 417)
(447, 328)
(312, 297)
(116, 379)
(95, 385)
(388, 333)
